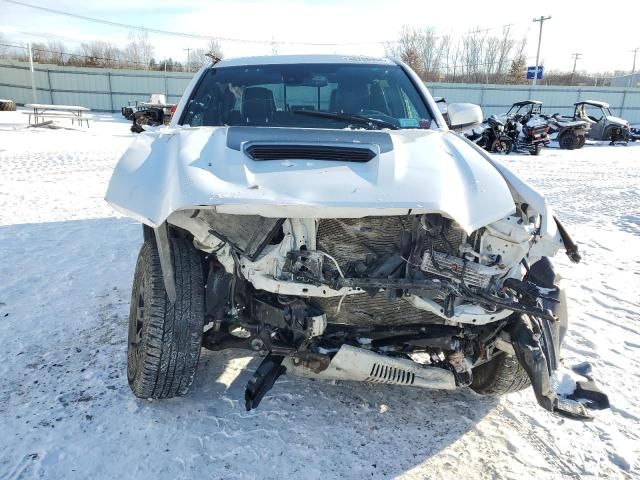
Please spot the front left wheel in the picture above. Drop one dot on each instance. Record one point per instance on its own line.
(502, 145)
(501, 375)
(164, 337)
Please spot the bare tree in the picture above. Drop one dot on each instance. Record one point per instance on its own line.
(518, 64)
(474, 57)
(408, 49)
(98, 54)
(205, 56)
(428, 48)
(422, 50)
(214, 50)
(4, 49)
(505, 47)
(139, 50)
(490, 58)
(56, 52)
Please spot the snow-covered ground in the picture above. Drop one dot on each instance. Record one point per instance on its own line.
(66, 412)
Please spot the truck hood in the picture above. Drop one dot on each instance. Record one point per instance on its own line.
(422, 171)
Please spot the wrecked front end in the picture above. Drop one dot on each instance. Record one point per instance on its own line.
(432, 263)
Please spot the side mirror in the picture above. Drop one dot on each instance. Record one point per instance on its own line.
(463, 116)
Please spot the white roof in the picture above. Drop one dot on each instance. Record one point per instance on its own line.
(293, 59)
(593, 102)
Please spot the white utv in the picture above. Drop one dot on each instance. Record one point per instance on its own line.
(318, 211)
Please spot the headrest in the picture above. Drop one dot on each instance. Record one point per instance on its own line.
(352, 97)
(258, 105)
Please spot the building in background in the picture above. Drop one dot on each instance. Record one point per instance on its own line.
(631, 80)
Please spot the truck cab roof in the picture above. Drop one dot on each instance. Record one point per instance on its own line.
(302, 59)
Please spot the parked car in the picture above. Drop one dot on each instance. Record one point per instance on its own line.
(318, 211)
(603, 125)
(526, 127)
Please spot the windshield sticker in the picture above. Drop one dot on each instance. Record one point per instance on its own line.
(408, 122)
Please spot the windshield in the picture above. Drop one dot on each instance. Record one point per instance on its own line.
(592, 112)
(270, 95)
(527, 108)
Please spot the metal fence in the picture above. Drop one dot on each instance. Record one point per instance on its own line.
(624, 102)
(97, 88)
(109, 89)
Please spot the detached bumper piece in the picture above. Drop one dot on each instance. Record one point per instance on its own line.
(263, 379)
(536, 352)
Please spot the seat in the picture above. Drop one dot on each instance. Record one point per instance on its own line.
(332, 101)
(352, 97)
(378, 101)
(258, 105)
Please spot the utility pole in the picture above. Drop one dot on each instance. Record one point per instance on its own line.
(576, 56)
(33, 81)
(633, 69)
(541, 20)
(635, 52)
(188, 58)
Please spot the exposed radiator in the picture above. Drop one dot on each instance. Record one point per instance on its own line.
(451, 267)
(350, 239)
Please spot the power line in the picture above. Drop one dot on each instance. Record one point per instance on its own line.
(69, 54)
(184, 34)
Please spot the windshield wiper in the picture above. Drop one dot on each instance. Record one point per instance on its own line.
(348, 117)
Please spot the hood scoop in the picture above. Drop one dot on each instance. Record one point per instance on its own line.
(289, 151)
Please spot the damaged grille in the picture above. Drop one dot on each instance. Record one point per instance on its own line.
(474, 274)
(352, 239)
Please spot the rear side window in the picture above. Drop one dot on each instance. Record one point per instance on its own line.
(269, 95)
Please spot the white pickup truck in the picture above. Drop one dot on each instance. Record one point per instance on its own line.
(318, 211)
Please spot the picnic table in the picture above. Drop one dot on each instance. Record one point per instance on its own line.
(42, 110)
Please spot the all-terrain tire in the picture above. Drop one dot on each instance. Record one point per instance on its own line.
(536, 151)
(502, 146)
(501, 375)
(581, 141)
(165, 338)
(568, 141)
(7, 106)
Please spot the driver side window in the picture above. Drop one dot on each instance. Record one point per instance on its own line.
(593, 113)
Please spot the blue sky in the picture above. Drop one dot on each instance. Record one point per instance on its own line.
(604, 36)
